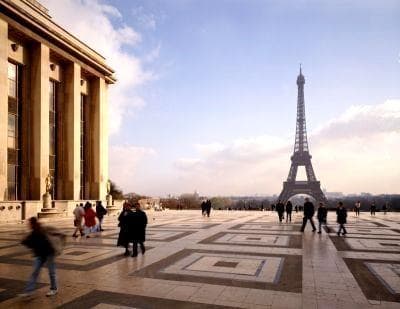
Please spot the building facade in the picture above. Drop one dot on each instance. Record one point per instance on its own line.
(53, 112)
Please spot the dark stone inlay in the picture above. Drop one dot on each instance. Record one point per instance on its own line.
(97, 297)
(226, 264)
(76, 253)
(13, 259)
(13, 287)
(372, 287)
(295, 241)
(341, 245)
(253, 238)
(290, 279)
(386, 244)
(268, 227)
(152, 230)
(176, 225)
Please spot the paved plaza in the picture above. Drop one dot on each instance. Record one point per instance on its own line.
(234, 259)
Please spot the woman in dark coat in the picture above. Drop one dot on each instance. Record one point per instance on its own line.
(341, 218)
(125, 229)
(138, 224)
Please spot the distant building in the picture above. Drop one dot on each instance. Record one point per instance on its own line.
(53, 112)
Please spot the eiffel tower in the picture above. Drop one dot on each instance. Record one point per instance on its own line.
(301, 156)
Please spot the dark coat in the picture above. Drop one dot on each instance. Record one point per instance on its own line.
(289, 207)
(100, 211)
(280, 208)
(125, 231)
(138, 223)
(309, 209)
(341, 215)
(322, 214)
(39, 243)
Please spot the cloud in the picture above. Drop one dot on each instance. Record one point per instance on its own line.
(356, 152)
(102, 27)
(124, 162)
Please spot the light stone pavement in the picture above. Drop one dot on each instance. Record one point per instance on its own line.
(234, 259)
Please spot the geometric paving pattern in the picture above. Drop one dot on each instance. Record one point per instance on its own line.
(233, 259)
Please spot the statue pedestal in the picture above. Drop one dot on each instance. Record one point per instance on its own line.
(111, 209)
(47, 211)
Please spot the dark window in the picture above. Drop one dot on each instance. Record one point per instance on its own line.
(14, 123)
(53, 109)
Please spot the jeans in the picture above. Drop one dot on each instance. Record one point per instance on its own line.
(289, 216)
(37, 265)
(341, 227)
(134, 247)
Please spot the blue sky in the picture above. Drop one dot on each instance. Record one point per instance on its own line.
(223, 71)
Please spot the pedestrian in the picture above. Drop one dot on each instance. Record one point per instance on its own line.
(296, 208)
(125, 227)
(322, 214)
(203, 208)
(373, 209)
(384, 209)
(79, 213)
(208, 207)
(280, 209)
(45, 247)
(308, 214)
(357, 208)
(90, 219)
(289, 208)
(341, 218)
(138, 224)
(100, 213)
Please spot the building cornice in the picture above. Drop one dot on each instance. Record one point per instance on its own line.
(37, 20)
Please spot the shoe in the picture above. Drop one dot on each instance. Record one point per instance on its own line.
(344, 234)
(51, 293)
(25, 294)
(314, 230)
(319, 232)
(126, 253)
(143, 250)
(101, 230)
(87, 236)
(338, 234)
(75, 236)
(134, 255)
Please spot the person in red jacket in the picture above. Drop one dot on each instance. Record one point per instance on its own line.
(90, 219)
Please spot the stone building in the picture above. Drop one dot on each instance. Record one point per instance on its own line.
(53, 113)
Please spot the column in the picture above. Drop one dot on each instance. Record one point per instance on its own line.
(40, 76)
(99, 139)
(3, 107)
(72, 135)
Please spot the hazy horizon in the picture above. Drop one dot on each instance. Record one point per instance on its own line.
(206, 93)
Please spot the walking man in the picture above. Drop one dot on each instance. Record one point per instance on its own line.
(289, 208)
(280, 209)
(341, 218)
(373, 209)
(100, 213)
(79, 213)
(358, 206)
(208, 207)
(322, 216)
(308, 214)
(138, 225)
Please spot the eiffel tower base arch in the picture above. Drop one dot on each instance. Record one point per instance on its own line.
(312, 188)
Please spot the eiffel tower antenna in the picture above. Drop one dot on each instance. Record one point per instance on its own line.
(301, 155)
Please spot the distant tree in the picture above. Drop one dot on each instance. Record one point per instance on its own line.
(116, 192)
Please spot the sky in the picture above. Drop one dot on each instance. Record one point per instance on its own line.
(206, 93)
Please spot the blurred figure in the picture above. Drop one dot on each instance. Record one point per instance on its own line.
(125, 229)
(289, 208)
(384, 208)
(373, 209)
(357, 208)
(90, 219)
(38, 240)
(208, 207)
(341, 213)
(308, 214)
(203, 208)
(322, 214)
(79, 213)
(100, 213)
(280, 209)
(138, 224)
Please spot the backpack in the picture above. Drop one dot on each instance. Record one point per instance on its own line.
(56, 238)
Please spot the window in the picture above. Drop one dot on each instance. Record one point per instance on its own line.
(53, 124)
(13, 128)
(84, 108)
